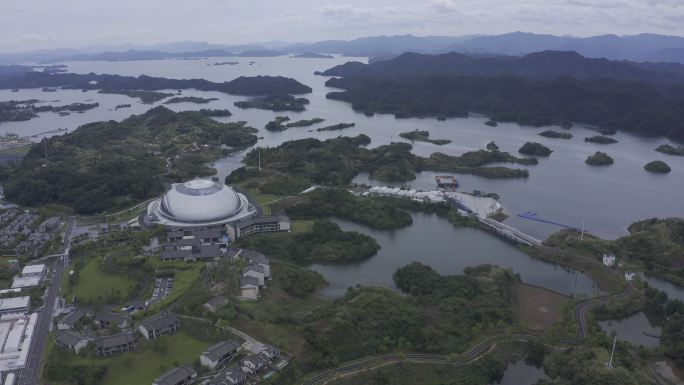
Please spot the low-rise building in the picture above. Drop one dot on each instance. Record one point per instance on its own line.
(34, 270)
(270, 352)
(112, 319)
(71, 341)
(231, 376)
(608, 260)
(69, 320)
(249, 287)
(159, 326)
(204, 253)
(219, 353)
(260, 225)
(251, 257)
(256, 271)
(26, 282)
(117, 344)
(15, 305)
(177, 376)
(253, 363)
(215, 303)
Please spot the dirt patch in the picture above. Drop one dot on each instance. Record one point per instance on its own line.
(538, 308)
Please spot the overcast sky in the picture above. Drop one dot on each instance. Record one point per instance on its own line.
(31, 24)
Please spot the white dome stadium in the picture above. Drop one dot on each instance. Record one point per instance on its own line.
(199, 203)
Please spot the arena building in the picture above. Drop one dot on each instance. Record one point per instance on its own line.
(199, 204)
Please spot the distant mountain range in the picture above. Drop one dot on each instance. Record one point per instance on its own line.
(637, 48)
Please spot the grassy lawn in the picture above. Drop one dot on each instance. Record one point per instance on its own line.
(538, 308)
(264, 198)
(301, 226)
(147, 362)
(93, 283)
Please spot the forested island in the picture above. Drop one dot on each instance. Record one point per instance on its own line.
(243, 85)
(107, 165)
(312, 55)
(556, 134)
(423, 136)
(278, 102)
(600, 139)
(530, 91)
(22, 110)
(215, 113)
(671, 150)
(337, 161)
(599, 159)
(534, 149)
(657, 166)
(190, 99)
(336, 127)
(277, 124)
(146, 97)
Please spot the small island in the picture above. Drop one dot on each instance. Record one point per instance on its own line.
(312, 55)
(423, 136)
(189, 99)
(555, 134)
(226, 63)
(120, 106)
(146, 97)
(491, 123)
(338, 126)
(657, 166)
(215, 113)
(275, 103)
(599, 159)
(671, 150)
(492, 146)
(277, 124)
(534, 149)
(600, 139)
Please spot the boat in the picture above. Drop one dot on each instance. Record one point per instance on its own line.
(15, 90)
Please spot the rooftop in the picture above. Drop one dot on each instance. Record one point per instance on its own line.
(14, 303)
(246, 281)
(111, 318)
(69, 337)
(73, 317)
(30, 281)
(116, 340)
(33, 269)
(160, 322)
(219, 350)
(175, 375)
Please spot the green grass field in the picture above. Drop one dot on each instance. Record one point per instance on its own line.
(93, 283)
(301, 226)
(146, 363)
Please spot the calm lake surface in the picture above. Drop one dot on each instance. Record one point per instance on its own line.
(561, 188)
(632, 329)
(520, 373)
(433, 241)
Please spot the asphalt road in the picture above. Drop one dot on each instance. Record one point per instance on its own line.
(29, 375)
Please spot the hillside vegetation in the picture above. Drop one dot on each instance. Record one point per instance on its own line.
(108, 165)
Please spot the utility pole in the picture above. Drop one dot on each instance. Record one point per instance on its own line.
(46, 155)
(582, 234)
(259, 152)
(610, 363)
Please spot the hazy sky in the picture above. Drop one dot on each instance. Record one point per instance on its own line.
(31, 24)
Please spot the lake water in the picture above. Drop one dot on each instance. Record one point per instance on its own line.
(433, 241)
(561, 188)
(520, 373)
(632, 329)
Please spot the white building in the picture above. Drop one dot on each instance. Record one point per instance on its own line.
(199, 203)
(608, 260)
(34, 270)
(15, 305)
(26, 282)
(16, 334)
(249, 287)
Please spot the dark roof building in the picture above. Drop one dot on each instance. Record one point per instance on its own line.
(233, 376)
(219, 353)
(158, 326)
(177, 376)
(121, 343)
(108, 318)
(70, 340)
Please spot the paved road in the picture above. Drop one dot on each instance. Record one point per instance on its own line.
(29, 375)
(582, 308)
